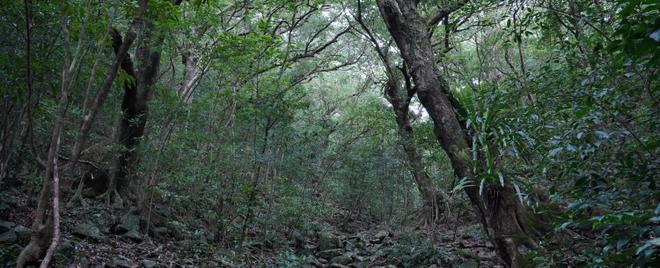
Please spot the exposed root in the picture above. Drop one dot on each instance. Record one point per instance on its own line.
(108, 197)
(77, 196)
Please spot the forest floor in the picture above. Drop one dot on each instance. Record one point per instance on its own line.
(90, 238)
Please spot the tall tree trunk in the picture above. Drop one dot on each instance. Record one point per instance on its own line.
(502, 216)
(130, 129)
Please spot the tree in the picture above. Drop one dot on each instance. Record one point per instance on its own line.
(503, 217)
(399, 92)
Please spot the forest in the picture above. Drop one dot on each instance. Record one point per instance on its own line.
(329, 133)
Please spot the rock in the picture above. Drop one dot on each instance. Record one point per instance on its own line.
(337, 265)
(23, 232)
(330, 253)
(342, 259)
(8, 237)
(86, 230)
(129, 222)
(6, 226)
(133, 235)
(309, 249)
(120, 261)
(149, 263)
(328, 241)
(381, 235)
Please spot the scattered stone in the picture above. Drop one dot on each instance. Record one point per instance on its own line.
(6, 226)
(121, 262)
(86, 230)
(322, 260)
(342, 259)
(330, 253)
(8, 237)
(129, 222)
(133, 235)
(309, 249)
(328, 241)
(149, 263)
(382, 234)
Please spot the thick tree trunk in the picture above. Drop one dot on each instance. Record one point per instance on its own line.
(130, 128)
(502, 216)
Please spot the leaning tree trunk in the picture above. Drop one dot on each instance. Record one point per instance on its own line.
(400, 100)
(502, 216)
(399, 96)
(130, 128)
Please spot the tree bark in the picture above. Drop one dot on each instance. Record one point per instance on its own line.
(130, 129)
(400, 96)
(191, 75)
(501, 215)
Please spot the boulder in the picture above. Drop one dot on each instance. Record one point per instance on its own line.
(328, 241)
(330, 253)
(86, 230)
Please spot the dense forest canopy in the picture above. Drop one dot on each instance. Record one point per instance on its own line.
(329, 133)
